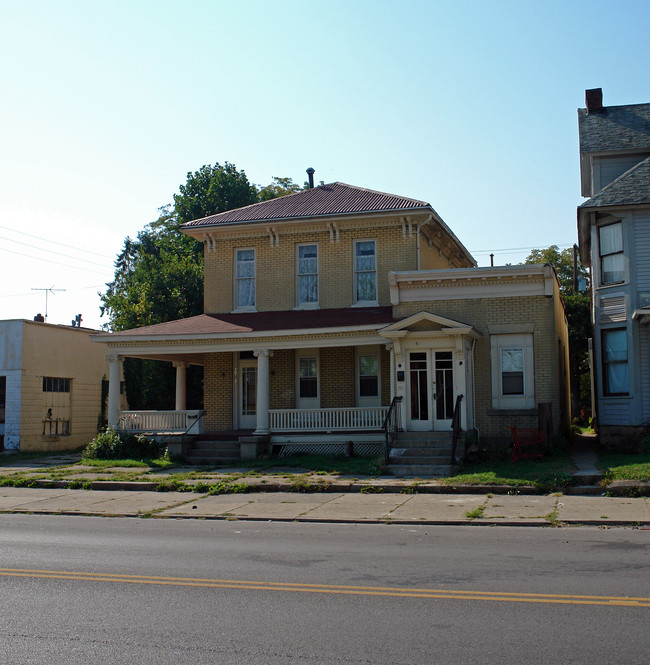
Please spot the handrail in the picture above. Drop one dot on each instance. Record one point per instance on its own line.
(455, 427)
(199, 417)
(392, 425)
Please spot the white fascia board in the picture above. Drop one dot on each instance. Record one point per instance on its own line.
(261, 225)
(242, 335)
(176, 349)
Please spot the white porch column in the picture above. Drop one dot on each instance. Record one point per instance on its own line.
(114, 377)
(262, 356)
(181, 383)
(391, 364)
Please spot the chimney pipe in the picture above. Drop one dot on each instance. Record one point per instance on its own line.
(594, 100)
(310, 173)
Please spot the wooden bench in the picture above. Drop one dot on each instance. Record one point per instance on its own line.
(524, 437)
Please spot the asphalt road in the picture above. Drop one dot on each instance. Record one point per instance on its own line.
(97, 590)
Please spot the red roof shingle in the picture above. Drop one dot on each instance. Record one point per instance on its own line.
(251, 322)
(336, 198)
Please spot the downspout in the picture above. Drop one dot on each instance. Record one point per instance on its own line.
(478, 433)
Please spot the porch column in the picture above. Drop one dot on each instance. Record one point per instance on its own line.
(262, 356)
(389, 347)
(114, 377)
(181, 383)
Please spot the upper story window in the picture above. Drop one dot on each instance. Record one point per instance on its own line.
(610, 245)
(53, 384)
(307, 287)
(245, 279)
(615, 366)
(365, 271)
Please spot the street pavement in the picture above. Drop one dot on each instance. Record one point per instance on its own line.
(338, 507)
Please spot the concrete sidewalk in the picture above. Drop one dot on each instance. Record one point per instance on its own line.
(452, 509)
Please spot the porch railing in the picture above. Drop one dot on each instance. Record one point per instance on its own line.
(327, 420)
(173, 422)
(392, 425)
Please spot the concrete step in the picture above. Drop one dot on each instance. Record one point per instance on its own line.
(206, 444)
(420, 470)
(421, 451)
(584, 490)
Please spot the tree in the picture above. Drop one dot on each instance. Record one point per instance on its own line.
(159, 275)
(280, 187)
(577, 309)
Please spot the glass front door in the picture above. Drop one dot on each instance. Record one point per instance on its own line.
(248, 395)
(431, 390)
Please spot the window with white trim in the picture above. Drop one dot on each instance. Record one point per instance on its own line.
(615, 362)
(368, 376)
(245, 279)
(610, 248)
(307, 275)
(513, 368)
(365, 272)
(307, 377)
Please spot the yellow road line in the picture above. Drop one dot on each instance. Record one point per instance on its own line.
(452, 594)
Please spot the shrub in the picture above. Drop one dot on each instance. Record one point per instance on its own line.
(110, 444)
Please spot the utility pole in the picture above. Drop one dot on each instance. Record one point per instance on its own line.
(50, 290)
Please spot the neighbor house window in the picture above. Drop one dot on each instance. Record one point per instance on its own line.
(365, 271)
(615, 365)
(245, 279)
(53, 384)
(308, 377)
(3, 398)
(368, 376)
(307, 287)
(512, 371)
(610, 245)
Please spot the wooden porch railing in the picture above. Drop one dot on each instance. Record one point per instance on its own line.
(327, 420)
(173, 422)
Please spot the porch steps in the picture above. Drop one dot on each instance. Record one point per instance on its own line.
(213, 451)
(423, 455)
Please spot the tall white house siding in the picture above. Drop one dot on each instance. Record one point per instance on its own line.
(11, 351)
(607, 169)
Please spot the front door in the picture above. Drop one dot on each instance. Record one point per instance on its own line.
(247, 394)
(430, 390)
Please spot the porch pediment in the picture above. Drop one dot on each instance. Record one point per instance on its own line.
(426, 322)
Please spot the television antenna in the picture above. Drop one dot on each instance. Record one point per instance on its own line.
(51, 290)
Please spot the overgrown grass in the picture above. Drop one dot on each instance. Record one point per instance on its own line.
(546, 474)
(357, 466)
(8, 458)
(624, 467)
(159, 463)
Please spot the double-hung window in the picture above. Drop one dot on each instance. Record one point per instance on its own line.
(245, 279)
(368, 376)
(365, 272)
(513, 369)
(307, 377)
(610, 246)
(615, 364)
(307, 270)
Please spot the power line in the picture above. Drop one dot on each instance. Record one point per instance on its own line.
(519, 249)
(38, 258)
(49, 251)
(54, 242)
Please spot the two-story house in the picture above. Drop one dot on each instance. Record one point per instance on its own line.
(614, 236)
(323, 306)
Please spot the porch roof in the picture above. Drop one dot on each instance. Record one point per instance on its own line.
(253, 322)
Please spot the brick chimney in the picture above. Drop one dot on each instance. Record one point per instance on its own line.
(594, 100)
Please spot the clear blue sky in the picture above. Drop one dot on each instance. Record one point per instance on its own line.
(470, 106)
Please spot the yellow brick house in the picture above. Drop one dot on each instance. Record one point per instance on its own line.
(328, 310)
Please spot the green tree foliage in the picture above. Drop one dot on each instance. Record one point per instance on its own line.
(280, 187)
(577, 309)
(159, 275)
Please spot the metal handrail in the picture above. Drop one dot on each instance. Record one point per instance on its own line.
(455, 427)
(392, 425)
